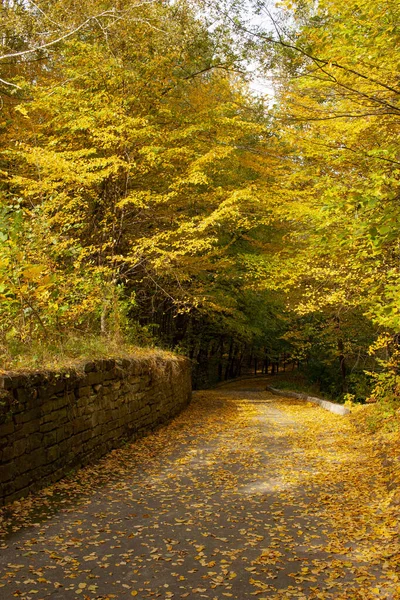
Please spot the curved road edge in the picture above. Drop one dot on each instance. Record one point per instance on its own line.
(338, 409)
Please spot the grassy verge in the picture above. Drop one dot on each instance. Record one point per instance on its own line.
(66, 352)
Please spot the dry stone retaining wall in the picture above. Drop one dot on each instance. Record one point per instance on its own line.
(55, 421)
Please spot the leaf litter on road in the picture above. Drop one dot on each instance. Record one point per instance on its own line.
(240, 496)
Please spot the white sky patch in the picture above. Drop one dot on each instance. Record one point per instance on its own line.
(259, 82)
(261, 85)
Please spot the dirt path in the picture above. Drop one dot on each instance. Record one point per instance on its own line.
(244, 495)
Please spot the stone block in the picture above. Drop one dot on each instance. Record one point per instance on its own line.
(20, 447)
(35, 440)
(86, 435)
(56, 403)
(7, 453)
(52, 453)
(6, 383)
(7, 428)
(125, 363)
(115, 373)
(45, 427)
(37, 458)
(79, 425)
(19, 381)
(24, 394)
(23, 464)
(7, 489)
(53, 388)
(98, 364)
(29, 415)
(7, 472)
(51, 417)
(23, 481)
(84, 391)
(89, 367)
(94, 378)
(6, 398)
(50, 438)
(63, 432)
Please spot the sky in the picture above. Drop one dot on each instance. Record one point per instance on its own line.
(260, 85)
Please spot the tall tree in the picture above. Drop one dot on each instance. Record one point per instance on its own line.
(132, 156)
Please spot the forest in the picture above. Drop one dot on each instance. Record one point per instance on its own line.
(152, 194)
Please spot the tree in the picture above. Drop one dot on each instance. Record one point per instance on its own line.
(140, 171)
(337, 108)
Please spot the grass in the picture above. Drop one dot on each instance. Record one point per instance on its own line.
(68, 351)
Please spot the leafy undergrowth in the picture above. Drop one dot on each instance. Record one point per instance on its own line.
(382, 417)
(243, 495)
(296, 381)
(381, 422)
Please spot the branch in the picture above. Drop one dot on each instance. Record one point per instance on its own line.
(107, 13)
(354, 151)
(358, 92)
(315, 59)
(45, 15)
(9, 83)
(222, 66)
(61, 38)
(306, 119)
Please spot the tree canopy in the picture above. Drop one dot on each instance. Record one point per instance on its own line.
(146, 192)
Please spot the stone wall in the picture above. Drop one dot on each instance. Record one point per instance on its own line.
(52, 422)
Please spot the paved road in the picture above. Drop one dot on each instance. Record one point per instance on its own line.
(230, 500)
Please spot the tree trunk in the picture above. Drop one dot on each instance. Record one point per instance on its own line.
(228, 366)
(221, 358)
(342, 363)
(342, 360)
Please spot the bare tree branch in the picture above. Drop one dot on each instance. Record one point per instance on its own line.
(9, 83)
(112, 13)
(316, 60)
(67, 35)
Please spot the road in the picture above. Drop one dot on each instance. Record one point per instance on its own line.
(244, 495)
